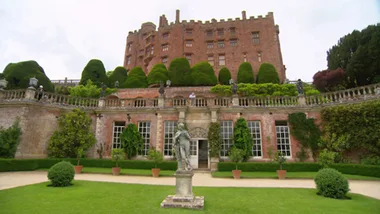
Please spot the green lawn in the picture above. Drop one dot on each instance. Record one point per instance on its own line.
(139, 172)
(309, 175)
(102, 197)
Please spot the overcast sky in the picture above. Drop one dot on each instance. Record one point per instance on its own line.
(63, 35)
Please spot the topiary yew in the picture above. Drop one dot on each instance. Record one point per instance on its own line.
(136, 79)
(245, 73)
(119, 74)
(157, 74)
(267, 74)
(179, 72)
(203, 74)
(224, 76)
(94, 71)
(242, 138)
(61, 174)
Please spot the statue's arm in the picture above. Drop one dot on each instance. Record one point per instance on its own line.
(177, 134)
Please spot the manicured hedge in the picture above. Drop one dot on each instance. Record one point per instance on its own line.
(353, 169)
(33, 164)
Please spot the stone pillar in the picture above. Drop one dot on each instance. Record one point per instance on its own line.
(235, 100)
(243, 14)
(214, 164)
(214, 114)
(30, 93)
(161, 102)
(184, 184)
(301, 100)
(2, 94)
(182, 114)
(102, 103)
(159, 146)
(177, 16)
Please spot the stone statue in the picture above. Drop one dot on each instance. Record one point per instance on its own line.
(234, 88)
(182, 148)
(103, 91)
(299, 86)
(162, 89)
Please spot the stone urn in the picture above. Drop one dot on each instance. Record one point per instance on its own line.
(116, 170)
(236, 174)
(281, 174)
(156, 172)
(78, 169)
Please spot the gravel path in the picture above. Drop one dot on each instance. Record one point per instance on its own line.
(15, 179)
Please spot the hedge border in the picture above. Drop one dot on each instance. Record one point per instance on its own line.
(7, 165)
(352, 169)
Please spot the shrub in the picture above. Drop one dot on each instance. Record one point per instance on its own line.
(280, 159)
(236, 155)
(224, 76)
(267, 74)
(136, 79)
(155, 156)
(74, 133)
(131, 140)
(90, 90)
(117, 155)
(203, 74)
(245, 73)
(61, 174)
(158, 74)
(371, 160)
(9, 139)
(257, 90)
(326, 157)
(119, 74)
(331, 183)
(18, 75)
(242, 138)
(179, 72)
(214, 139)
(94, 71)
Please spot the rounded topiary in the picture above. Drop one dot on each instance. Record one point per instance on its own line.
(267, 74)
(94, 71)
(245, 73)
(158, 74)
(224, 76)
(61, 174)
(331, 183)
(203, 74)
(179, 72)
(136, 79)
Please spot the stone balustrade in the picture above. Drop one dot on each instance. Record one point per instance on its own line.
(359, 94)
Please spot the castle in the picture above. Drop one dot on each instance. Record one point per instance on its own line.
(221, 43)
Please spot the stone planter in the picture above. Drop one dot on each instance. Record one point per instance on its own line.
(214, 164)
(281, 174)
(116, 170)
(78, 169)
(156, 172)
(236, 174)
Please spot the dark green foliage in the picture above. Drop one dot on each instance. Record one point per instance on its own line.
(203, 74)
(357, 169)
(245, 73)
(73, 134)
(331, 183)
(131, 140)
(375, 160)
(158, 74)
(179, 72)
(95, 72)
(267, 74)
(236, 155)
(224, 76)
(214, 139)
(89, 90)
(258, 90)
(242, 138)
(119, 74)
(358, 53)
(9, 139)
(350, 120)
(306, 132)
(155, 156)
(270, 166)
(33, 164)
(61, 174)
(136, 79)
(18, 75)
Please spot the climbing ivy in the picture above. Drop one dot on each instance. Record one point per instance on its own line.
(214, 139)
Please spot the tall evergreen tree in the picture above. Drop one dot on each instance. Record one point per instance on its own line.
(224, 76)
(242, 138)
(119, 74)
(245, 73)
(180, 72)
(94, 71)
(203, 74)
(136, 79)
(267, 74)
(157, 74)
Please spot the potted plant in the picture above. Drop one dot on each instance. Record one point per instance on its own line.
(156, 157)
(236, 155)
(280, 158)
(78, 168)
(117, 154)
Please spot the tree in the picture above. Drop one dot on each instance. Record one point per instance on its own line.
(131, 140)
(136, 79)
(329, 80)
(119, 74)
(245, 73)
(203, 74)
(157, 74)
(358, 54)
(224, 76)
(74, 134)
(179, 72)
(9, 140)
(267, 74)
(95, 72)
(243, 138)
(89, 90)
(214, 139)
(18, 75)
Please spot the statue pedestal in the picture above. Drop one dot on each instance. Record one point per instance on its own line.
(184, 197)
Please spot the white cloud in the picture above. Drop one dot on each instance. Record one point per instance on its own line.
(63, 35)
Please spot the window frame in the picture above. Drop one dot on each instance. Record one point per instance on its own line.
(227, 141)
(282, 141)
(169, 132)
(254, 127)
(224, 60)
(144, 133)
(117, 129)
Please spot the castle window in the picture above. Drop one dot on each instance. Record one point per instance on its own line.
(256, 37)
(165, 47)
(169, 131)
(255, 129)
(165, 60)
(152, 50)
(245, 58)
(188, 57)
(165, 35)
(259, 57)
(210, 60)
(189, 43)
(144, 129)
(232, 31)
(209, 32)
(128, 60)
(233, 42)
(189, 32)
(283, 138)
(210, 45)
(226, 132)
(220, 32)
(118, 127)
(222, 59)
(221, 44)
(129, 47)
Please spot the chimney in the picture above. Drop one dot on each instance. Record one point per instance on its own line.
(160, 22)
(177, 16)
(243, 14)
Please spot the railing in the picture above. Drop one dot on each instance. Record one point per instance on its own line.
(69, 82)
(131, 103)
(268, 101)
(64, 100)
(14, 95)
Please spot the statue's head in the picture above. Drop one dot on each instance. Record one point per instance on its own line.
(181, 126)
